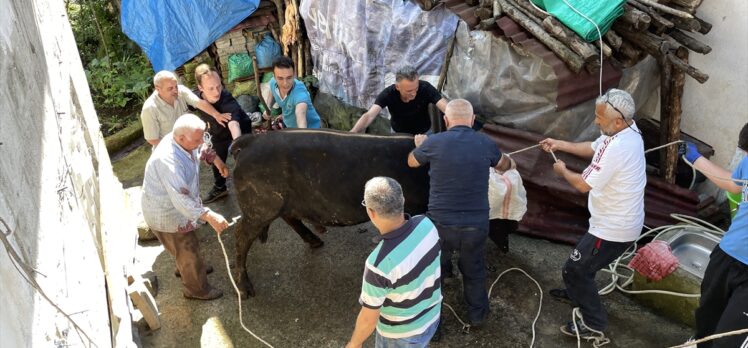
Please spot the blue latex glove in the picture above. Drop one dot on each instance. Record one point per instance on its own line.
(692, 154)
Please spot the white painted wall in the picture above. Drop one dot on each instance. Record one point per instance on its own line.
(58, 195)
(715, 111)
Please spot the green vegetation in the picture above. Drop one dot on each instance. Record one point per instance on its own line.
(118, 72)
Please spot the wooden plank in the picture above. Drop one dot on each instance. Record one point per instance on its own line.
(145, 303)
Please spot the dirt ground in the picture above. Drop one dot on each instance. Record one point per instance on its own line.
(309, 298)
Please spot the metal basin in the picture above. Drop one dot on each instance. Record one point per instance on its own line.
(692, 248)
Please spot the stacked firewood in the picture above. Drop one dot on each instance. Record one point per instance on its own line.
(662, 29)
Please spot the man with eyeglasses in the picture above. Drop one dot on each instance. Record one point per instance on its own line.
(615, 180)
(401, 292)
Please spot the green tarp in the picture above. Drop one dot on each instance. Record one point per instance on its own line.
(602, 12)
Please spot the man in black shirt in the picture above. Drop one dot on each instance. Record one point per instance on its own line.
(407, 101)
(210, 89)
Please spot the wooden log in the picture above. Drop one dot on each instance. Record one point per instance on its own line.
(558, 30)
(613, 39)
(665, 108)
(688, 69)
(665, 9)
(604, 48)
(629, 51)
(526, 12)
(692, 25)
(691, 43)
(650, 43)
(497, 9)
(637, 19)
(572, 60)
(447, 58)
(673, 124)
(528, 7)
(704, 26)
(587, 51)
(659, 21)
(688, 5)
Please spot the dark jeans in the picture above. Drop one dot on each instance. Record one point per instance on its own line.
(470, 243)
(724, 300)
(591, 255)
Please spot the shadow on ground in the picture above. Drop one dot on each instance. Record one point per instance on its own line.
(309, 298)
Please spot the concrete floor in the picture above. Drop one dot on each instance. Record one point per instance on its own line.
(309, 298)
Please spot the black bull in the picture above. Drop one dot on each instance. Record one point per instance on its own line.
(316, 176)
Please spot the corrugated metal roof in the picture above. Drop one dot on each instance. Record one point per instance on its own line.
(463, 10)
(556, 210)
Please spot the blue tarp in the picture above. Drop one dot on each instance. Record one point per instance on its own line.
(172, 32)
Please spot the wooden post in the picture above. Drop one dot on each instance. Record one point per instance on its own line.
(258, 82)
(666, 70)
(447, 58)
(673, 125)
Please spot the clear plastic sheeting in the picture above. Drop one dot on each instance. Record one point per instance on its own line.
(172, 32)
(519, 90)
(357, 45)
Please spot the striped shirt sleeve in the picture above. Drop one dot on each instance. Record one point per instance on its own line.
(374, 288)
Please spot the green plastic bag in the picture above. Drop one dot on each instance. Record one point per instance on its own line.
(240, 65)
(602, 12)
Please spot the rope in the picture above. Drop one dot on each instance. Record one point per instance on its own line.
(523, 149)
(466, 326)
(598, 341)
(236, 288)
(663, 146)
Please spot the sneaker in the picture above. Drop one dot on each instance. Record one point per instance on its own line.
(212, 295)
(215, 194)
(208, 270)
(584, 332)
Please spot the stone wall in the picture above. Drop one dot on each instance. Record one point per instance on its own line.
(61, 203)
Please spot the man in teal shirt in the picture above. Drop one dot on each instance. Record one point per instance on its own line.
(292, 96)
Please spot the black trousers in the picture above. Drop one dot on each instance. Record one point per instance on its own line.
(222, 150)
(590, 255)
(470, 243)
(723, 305)
(499, 231)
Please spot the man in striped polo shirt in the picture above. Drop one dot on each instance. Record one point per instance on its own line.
(401, 293)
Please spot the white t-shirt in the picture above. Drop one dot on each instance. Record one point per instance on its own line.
(617, 176)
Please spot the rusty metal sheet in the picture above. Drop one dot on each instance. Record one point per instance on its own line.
(556, 210)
